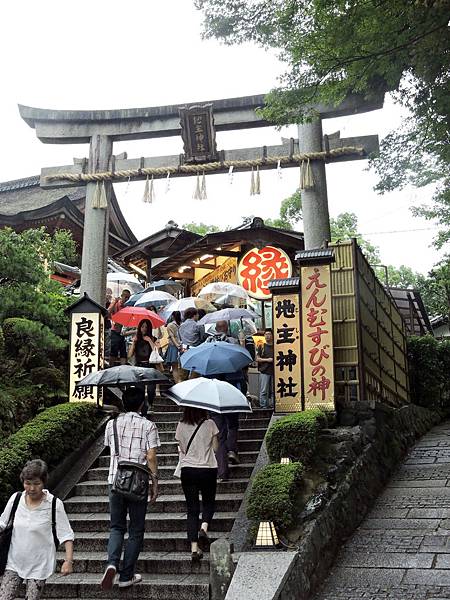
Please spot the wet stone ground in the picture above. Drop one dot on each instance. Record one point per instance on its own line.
(401, 551)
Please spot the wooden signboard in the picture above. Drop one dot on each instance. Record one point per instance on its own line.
(317, 335)
(86, 348)
(287, 352)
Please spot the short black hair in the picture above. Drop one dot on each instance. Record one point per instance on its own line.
(35, 469)
(268, 330)
(133, 398)
(190, 313)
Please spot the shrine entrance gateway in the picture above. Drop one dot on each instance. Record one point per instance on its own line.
(197, 124)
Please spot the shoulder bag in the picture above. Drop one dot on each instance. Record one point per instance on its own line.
(132, 479)
(177, 472)
(6, 534)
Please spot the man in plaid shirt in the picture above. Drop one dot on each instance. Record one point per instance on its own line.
(138, 440)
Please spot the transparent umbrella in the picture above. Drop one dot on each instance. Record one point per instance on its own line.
(117, 282)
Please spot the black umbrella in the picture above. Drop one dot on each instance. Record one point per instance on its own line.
(122, 375)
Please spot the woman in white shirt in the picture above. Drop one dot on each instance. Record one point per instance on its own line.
(198, 474)
(32, 553)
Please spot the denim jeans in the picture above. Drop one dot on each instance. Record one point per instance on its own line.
(265, 390)
(119, 507)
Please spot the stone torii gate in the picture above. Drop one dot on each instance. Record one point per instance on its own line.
(101, 128)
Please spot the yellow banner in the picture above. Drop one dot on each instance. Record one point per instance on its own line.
(317, 337)
(86, 353)
(287, 352)
(226, 272)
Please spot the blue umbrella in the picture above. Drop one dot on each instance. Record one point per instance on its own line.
(213, 358)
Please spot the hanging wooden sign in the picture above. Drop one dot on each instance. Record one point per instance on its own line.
(317, 335)
(198, 133)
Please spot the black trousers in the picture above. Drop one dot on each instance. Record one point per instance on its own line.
(195, 481)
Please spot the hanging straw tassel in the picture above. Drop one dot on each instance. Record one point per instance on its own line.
(197, 192)
(203, 195)
(230, 175)
(306, 176)
(151, 194)
(145, 197)
(252, 183)
(257, 182)
(103, 201)
(168, 182)
(96, 196)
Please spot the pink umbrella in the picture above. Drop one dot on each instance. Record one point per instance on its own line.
(131, 316)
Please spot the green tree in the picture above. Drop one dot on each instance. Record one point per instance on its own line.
(345, 227)
(334, 48)
(26, 289)
(200, 228)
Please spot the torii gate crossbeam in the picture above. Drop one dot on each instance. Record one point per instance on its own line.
(100, 128)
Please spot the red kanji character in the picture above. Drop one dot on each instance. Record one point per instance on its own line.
(260, 267)
(312, 317)
(313, 360)
(314, 280)
(316, 336)
(314, 301)
(320, 369)
(319, 386)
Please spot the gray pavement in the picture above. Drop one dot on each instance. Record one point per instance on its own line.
(401, 551)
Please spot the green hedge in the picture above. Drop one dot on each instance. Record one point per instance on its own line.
(295, 436)
(51, 436)
(273, 494)
(429, 362)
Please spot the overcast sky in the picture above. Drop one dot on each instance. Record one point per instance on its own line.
(110, 54)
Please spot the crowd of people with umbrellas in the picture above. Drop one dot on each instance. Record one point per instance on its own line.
(209, 369)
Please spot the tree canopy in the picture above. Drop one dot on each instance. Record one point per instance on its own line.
(200, 228)
(333, 48)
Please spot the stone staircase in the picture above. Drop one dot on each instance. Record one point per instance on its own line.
(164, 562)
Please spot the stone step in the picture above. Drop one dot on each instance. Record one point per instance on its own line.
(172, 459)
(247, 433)
(154, 541)
(157, 587)
(156, 523)
(149, 562)
(166, 486)
(245, 423)
(165, 503)
(166, 472)
(165, 414)
(171, 447)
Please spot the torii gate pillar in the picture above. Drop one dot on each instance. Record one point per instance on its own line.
(94, 260)
(316, 219)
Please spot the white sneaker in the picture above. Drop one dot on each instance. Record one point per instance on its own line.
(135, 579)
(109, 575)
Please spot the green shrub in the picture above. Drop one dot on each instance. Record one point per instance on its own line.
(295, 436)
(51, 383)
(51, 436)
(273, 494)
(429, 364)
(30, 342)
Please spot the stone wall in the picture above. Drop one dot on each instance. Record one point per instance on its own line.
(385, 436)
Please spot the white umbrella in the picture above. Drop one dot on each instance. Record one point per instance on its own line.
(189, 302)
(118, 282)
(210, 394)
(222, 288)
(228, 314)
(156, 297)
